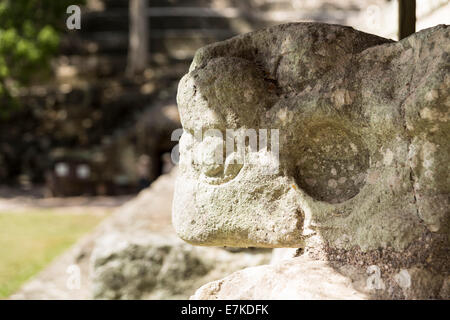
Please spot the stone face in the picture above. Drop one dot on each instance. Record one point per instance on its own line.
(364, 146)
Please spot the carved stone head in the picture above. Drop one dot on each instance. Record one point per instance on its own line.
(363, 136)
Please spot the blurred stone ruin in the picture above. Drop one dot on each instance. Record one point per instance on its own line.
(135, 254)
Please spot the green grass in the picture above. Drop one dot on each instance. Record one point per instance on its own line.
(30, 240)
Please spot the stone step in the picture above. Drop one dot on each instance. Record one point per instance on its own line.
(100, 66)
(109, 104)
(123, 4)
(171, 42)
(189, 17)
(261, 5)
(118, 21)
(95, 65)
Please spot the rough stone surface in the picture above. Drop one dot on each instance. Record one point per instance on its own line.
(364, 131)
(149, 211)
(149, 266)
(304, 278)
(295, 279)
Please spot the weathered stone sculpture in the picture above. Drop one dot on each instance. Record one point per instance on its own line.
(363, 172)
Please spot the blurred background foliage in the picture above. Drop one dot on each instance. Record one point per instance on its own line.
(29, 36)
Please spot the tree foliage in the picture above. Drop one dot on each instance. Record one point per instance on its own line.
(30, 32)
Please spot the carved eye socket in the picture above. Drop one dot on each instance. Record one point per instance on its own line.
(332, 163)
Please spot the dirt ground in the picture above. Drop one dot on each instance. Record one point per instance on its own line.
(15, 199)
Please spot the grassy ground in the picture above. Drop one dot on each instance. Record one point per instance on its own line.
(30, 240)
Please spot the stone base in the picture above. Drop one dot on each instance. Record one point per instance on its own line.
(303, 278)
(294, 279)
